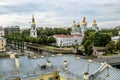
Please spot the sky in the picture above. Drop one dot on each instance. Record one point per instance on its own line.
(59, 13)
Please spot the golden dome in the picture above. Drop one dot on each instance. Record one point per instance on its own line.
(33, 19)
(94, 22)
(84, 21)
(74, 23)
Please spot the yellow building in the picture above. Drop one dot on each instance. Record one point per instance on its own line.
(2, 44)
(50, 76)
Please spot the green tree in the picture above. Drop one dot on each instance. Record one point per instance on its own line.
(35, 40)
(25, 33)
(39, 40)
(44, 39)
(89, 35)
(51, 39)
(27, 38)
(88, 47)
(110, 46)
(101, 39)
(118, 45)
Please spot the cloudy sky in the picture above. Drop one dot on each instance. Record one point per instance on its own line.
(59, 13)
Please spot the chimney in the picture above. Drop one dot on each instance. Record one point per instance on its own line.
(17, 61)
(12, 55)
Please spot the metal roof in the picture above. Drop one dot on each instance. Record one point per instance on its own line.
(30, 68)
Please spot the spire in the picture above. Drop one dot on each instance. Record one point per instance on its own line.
(84, 21)
(33, 19)
(84, 18)
(74, 23)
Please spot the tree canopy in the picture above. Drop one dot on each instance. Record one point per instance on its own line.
(88, 47)
(45, 36)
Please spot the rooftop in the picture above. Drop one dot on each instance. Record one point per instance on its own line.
(76, 67)
(67, 36)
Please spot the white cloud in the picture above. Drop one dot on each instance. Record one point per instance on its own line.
(58, 12)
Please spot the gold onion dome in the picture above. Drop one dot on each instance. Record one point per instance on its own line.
(94, 22)
(84, 21)
(33, 19)
(74, 23)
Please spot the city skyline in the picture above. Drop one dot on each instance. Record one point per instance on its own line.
(61, 13)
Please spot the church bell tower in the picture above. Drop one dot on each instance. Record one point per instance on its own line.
(33, 31)
(94, 25)
(84, 25)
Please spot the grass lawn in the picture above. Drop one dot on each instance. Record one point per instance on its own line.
(48, 47)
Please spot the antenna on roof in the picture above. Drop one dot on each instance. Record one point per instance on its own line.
(47, 55)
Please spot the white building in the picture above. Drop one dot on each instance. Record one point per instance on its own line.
(77, 34)
(94, 25)
(76, 29)
(75, 38)
(68, 40)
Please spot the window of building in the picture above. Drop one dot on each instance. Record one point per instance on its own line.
(75, 40)
(56, 77)
(34, 33)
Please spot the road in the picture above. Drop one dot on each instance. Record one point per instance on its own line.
(113, 60)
